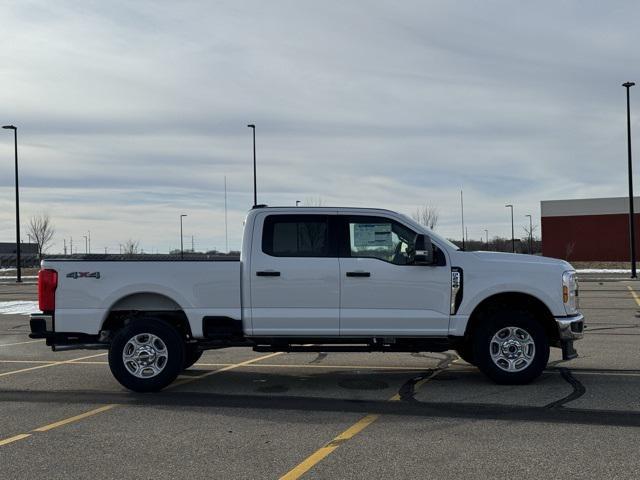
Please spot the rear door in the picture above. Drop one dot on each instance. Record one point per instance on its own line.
(295, 284)
(381, 294)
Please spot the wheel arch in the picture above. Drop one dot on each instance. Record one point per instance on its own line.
(516, 301)
(147, 305)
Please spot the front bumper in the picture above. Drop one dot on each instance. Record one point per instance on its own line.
(571, 328)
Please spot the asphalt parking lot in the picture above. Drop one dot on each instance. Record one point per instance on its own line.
(241, 414)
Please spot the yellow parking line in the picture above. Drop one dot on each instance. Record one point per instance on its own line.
(634, 295)
(15, 438)
(105, 408)
(28, 361)
(13, 372)
(66, 421)
(19, 343)
(323, 452)
(313, 459)
(183, 381)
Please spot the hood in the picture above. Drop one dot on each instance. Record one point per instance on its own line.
(512, 258)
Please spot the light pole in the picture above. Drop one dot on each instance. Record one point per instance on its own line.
(181, 237)
(487, 234)
(530, 235)
(255, 187)
(632, 227)
(297, 203)
(513, 238)
(15, 147)
(86, 248)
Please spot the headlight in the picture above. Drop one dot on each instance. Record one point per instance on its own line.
(570, 292)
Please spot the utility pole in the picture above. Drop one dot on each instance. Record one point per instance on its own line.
(255, 187)
(15, 148)
(181, 237)
(192, 247)
(462, 217)
(86, 244)
(64, 245)
(487, 233)
(632, 226)
(71, 242)
(226, 231)
(89, 235)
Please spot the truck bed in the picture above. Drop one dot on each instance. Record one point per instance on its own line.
(89, 287)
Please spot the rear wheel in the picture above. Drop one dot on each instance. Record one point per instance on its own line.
(146, 355)
(511, 347)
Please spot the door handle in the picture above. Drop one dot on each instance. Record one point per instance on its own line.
(358, 274)
(268, 273)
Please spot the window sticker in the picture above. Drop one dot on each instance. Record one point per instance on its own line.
(372, 235)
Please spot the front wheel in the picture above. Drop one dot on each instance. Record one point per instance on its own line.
(511, 347)
(146, 355)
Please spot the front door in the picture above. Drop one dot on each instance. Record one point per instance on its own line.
(295, 286)
(381, 294)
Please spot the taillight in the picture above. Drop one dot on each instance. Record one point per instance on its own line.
(47, 283)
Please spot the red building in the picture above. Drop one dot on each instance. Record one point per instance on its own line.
(588, 229)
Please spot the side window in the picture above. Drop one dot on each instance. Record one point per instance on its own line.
(296, 236)
(380, 238)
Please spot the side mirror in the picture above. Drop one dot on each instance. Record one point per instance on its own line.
(423, 251)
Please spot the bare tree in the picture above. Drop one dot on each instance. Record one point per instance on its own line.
(530, 234)
(42, 231)
(131, 247)
(427, 216)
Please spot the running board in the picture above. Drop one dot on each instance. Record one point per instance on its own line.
(347, 348)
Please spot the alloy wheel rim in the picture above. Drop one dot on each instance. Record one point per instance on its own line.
(512, 349)
(145, 355)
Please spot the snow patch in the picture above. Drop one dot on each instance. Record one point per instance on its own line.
(19, 307)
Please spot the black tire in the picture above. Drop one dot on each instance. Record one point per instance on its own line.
(191, 356)
(170, 349)
(525, 368)
(465, 352)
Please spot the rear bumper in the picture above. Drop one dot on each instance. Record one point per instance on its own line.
(41, 325)
(571, 328)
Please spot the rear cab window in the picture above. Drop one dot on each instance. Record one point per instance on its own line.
(298, 236)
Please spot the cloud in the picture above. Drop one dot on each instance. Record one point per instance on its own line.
(130, 114)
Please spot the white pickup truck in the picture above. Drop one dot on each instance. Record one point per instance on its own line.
(315, 279)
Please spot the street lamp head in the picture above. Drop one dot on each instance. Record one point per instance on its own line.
(251, 125)
(9, 127)
(183, 215)
(509, 205)
(628, 84)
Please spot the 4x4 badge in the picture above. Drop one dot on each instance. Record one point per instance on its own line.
(83, 275)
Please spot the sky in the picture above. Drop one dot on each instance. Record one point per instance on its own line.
(132, 113)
